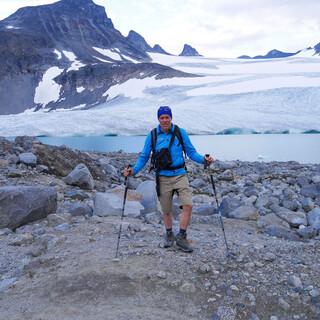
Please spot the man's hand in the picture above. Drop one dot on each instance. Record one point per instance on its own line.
(208, 159)
(128, 171)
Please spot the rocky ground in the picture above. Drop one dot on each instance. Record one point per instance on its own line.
(59, 227)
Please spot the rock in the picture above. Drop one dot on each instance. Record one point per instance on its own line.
(295, 282)
(269, 257)
(162, 275)
(25, 142)
(77, 195)
(106, 204)
(20, 205)
(283, 304)
(307, 232)
(80, 209)
(198, 183)
(293, 218)
(250, 191)
(246, 212)
(22, 239)
(188, 287)
(272, 219)
(7, 283)
(226, 176)
(55, 219)
(262, 201)
(204, 268)
(42, 168)
(14, 173)
(314, 218)
(63, 227)
(204, 209)
(149, 196)
(109, 169)
(281, 232)
(316, 179)
(28, 158)
(311, 191)
(5, 232)
(292, 205)
(229, 204)
(80, 176)
(307, 204)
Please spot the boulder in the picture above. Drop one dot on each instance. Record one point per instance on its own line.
(295, 219)
(244, 212)
(80, 176)
(272, 219)
(229, 204)
(110, 203)
(20, 205)
(149, 196)
(314, 218)
(28, 158)
(311, 191)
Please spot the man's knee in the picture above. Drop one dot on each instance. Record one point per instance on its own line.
(187, 207)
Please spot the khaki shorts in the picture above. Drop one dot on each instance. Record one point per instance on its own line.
(167, 187)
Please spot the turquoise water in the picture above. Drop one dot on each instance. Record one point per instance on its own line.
(304, 148)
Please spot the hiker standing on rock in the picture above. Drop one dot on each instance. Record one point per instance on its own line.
(167, 143)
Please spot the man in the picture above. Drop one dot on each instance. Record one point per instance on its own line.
(171, 174)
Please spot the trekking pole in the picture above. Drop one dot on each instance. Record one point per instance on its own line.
(206, 166)
(122, 213)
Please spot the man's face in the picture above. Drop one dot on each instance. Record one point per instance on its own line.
(165, 122)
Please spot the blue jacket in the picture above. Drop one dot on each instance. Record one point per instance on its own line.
(163, 140)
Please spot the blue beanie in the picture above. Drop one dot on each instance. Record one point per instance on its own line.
(164, 110)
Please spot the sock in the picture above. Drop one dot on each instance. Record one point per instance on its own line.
(183, 231)
(169, 231)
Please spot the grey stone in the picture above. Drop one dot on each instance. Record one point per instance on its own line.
(188, 287)
(28, 158)
(80, 209)
(226, 176)
(55, 219)
(80, 176)
(149, 196)
(307, 204)
(198, 183)
(293, 218)
(77, 194)
(316, 179)
(42, 168)
(245, 212)
(20, 205)
(106, 204)
(314, 218)
(250, 191)
(7, 283)
(295, 282)
(311, 191)
(204, 209)
(307, 232)
(272, 219)
(229, 204)
(62, 227)
(292, 205)
(14, 173)
(281, 232)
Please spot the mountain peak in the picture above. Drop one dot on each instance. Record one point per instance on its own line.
(189, 51)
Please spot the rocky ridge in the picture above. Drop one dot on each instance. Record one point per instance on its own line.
(61, 264)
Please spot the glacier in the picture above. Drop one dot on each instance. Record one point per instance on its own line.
(275, 95)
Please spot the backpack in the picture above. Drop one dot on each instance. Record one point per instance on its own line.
(162, 159)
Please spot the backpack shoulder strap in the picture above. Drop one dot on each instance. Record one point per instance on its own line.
(154, 136)
(177, 133)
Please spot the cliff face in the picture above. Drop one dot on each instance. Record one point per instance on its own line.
(77, 39)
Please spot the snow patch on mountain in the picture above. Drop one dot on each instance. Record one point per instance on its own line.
(109, 53)
(48, 90)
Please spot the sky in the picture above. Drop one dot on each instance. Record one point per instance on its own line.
(216, 28)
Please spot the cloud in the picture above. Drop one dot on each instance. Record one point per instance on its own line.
(225, 28)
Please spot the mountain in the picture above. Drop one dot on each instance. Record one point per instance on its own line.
(189, 51)
(66, 54)
(139, 42)
(271, 55)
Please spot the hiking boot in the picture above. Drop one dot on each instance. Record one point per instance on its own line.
(183, 243)
(168, 240)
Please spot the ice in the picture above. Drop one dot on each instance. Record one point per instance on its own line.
(80, 89)
(231, 96)
(58, 53)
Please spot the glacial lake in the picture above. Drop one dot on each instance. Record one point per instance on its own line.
(304, 148)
